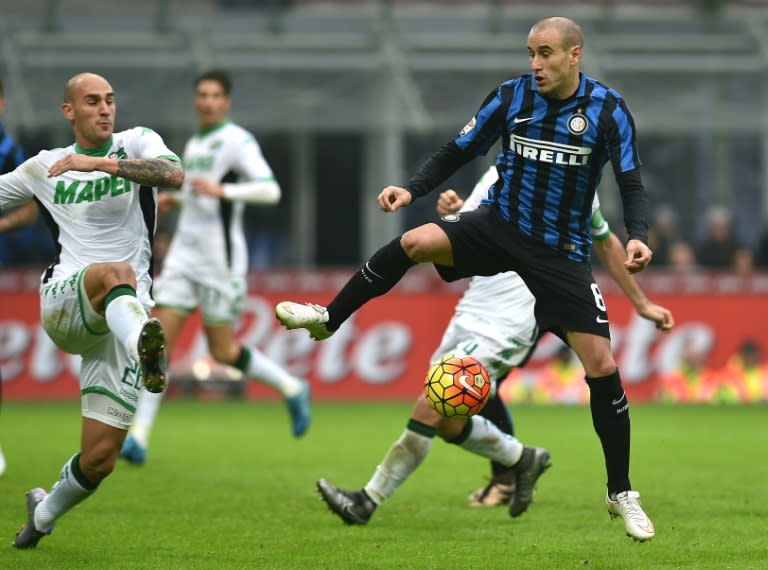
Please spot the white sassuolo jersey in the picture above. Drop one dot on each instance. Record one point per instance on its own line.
(95, 217)
(512, 308)
(209, 241)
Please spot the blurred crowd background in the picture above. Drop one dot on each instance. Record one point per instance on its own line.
(349, 96)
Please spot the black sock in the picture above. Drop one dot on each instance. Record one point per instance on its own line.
(610, 417)
(382, 271)
(421, 429)
(118, 291)
(243, 360)
(499, 415)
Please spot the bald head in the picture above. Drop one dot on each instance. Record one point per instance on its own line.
(89, 105)
(569, 31)
(84, 81)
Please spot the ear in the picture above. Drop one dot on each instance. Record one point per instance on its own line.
(576, 52)
(67, 111)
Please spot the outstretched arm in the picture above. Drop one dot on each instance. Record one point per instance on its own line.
(23, 216)
(147, 171)
(151, 172)
(611, 253)
(392, 198)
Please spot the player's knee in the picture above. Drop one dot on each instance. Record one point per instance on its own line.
(410, 244)
(599, 368)
(119, 273)
(418, 245)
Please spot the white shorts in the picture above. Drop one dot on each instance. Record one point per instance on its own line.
(221, 299)
(498, 350)
(110, 379)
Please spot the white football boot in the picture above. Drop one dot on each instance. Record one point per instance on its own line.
(627, 506)
(307, 316)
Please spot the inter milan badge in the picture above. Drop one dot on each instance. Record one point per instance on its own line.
(468, 127)
(577, 123)
(451, 217)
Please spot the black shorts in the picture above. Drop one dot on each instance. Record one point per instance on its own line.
(567, 296)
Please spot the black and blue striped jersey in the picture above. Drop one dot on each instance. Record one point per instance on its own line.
(551, 160)
(11, 153)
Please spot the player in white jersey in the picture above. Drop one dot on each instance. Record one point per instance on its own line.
(501, 335)
(207, 261)
(99, 199)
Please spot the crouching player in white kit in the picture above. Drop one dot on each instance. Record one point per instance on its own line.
(502, 336)
(98, 198)
(207, 262)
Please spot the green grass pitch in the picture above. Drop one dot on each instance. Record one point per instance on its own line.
(226, 486)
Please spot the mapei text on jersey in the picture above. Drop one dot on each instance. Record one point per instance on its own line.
(90, 191)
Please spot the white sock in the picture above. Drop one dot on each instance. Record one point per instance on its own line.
(125, 317)
(266, 371)
(146, 412)
(402, 459)
(487, 440)
(66, 493)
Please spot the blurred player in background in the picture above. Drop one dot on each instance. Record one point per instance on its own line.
(11, 156)
(558, 128)
(11, 152)
(98, 197)
(207, 262)
(501, 335)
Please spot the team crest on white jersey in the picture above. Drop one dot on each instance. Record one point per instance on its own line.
(577, 123)
(468, 127)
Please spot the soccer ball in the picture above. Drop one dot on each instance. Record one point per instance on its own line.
(457, 386)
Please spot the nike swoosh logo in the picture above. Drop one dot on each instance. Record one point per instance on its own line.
(346, 508)
(523, 120)
(617, 402)
(468, 387)
(599, 320)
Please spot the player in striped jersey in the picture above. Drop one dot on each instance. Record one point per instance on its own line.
(558, 128)
(502, 336)
(207, 261)
(98, 197)
(11, 156)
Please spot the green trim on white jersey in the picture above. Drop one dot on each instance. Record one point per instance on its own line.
(108, 394)
(100, 151)
(178, 308)
(205, 131)
(598, 227)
